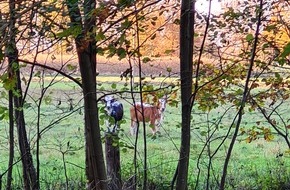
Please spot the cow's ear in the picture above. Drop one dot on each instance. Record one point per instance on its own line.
(108, 98)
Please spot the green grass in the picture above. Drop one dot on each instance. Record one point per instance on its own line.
(255, 165)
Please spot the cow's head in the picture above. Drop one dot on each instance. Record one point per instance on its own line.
(113, 107)
(162, 103)
(108, 101)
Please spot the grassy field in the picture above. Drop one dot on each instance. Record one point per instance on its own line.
(256, 165)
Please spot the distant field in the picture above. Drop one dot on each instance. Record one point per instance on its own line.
(256, 165)
(109, 66)
(116, 79)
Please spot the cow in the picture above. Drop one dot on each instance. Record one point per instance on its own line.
(152, 114)
(114, 109)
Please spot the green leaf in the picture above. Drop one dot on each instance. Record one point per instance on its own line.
(277, 75)
(71, 31)
(114, 86)
(8, 82)
(27, 105)
(71, 67)
(286, 50)
(37, 74)
(121, 52)
(146, 59)
(4, 113)
(100, 36)
(47, 100)
(112, 50)
(122, 39)
(176, 21)
(100, 51)
(249, 37)
(169, 51)
(271, 27)
(126, 24)
(124, 3)
(203, 133)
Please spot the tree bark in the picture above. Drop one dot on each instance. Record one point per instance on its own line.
(186, 63)
(29, 173)
(86, 50)
(11, 141)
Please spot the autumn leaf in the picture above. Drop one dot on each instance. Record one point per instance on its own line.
(248, 140)
(268, 137)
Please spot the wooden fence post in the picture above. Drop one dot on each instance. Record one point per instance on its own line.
(113, 161)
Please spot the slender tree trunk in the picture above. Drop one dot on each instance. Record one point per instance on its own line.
(186, 63)
(1, 41)
(30, 180)
(29, 173)
(244, 99)
(11, 141)
(86, 50)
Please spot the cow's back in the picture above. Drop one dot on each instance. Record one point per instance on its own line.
(150, 113)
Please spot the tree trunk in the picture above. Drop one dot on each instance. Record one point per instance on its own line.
(11, 141)
(113, 161)
(95, 165)
(244, 98)
(29, 173)
(86, 50)
(186, 54)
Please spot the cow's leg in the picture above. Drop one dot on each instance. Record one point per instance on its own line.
(153, 131)
(153, 126)
(115, 128)
(157, 125)
(133, 128)
(108, 125)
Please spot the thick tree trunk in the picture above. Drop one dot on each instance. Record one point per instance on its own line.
(186, 54)
(95, 165)
(86, 49)
(29, 173)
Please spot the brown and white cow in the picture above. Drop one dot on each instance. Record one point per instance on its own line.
(152, 114)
